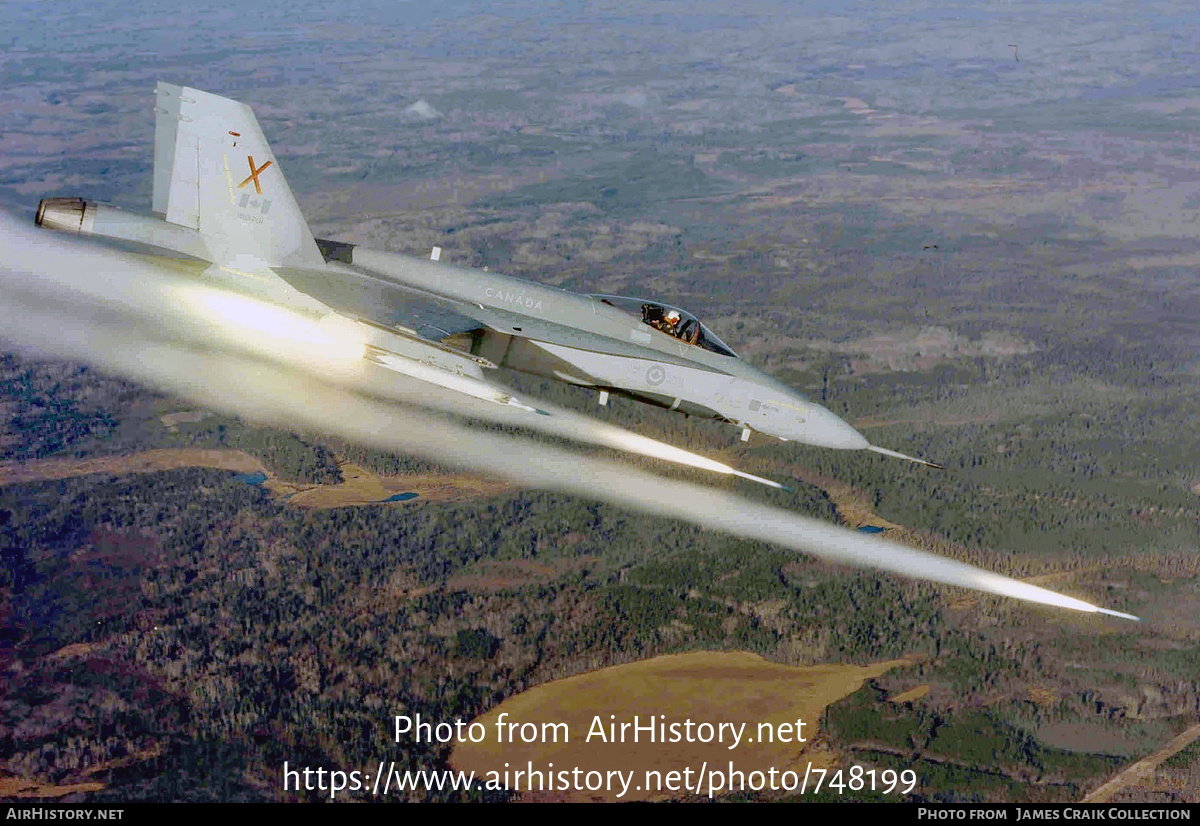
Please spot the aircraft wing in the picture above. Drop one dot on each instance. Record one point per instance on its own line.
(383, 303)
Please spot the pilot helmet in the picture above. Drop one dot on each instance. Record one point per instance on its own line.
(673, 316)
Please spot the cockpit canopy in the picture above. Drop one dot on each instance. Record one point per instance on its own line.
(671, 320)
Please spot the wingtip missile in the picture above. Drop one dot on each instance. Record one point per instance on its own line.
(743, 475)
(513, 401)
(898, 455)
(1119, 614)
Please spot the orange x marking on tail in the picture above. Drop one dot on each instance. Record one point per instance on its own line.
(253, 176)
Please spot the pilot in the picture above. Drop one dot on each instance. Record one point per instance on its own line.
(653, 315)
(672, 323)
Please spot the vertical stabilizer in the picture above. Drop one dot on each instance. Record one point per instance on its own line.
(215, 172)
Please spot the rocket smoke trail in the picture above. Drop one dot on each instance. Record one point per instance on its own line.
(145, 321)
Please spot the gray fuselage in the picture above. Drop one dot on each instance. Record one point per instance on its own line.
(501, 321)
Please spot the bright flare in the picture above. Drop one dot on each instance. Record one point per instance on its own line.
(274, 331)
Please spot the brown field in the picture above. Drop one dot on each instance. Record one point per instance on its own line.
(704, 687)
(75, 649)
(18, 787)
(360, 486)
(1141, 774)
(910, 695)
(149, 461)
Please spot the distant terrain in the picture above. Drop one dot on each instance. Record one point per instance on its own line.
(981, 255)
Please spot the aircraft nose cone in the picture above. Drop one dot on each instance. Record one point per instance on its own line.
(827, 430)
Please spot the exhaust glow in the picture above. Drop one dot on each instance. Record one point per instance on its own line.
(274, 331)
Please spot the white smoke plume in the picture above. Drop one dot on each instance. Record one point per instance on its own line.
(75, 299)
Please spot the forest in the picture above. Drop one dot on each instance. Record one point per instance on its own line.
(179, 634)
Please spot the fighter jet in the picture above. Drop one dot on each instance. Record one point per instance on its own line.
(223, 211)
